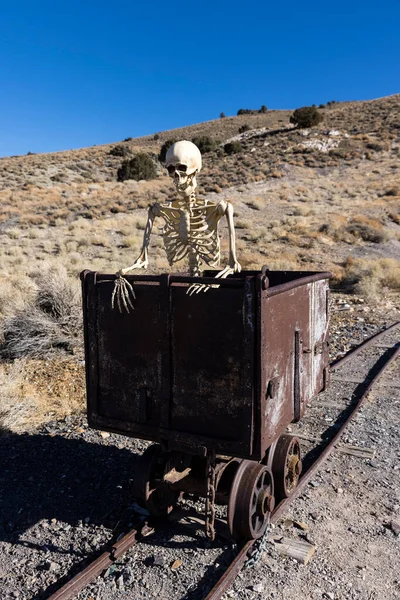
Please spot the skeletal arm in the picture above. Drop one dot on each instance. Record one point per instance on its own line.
(142, 261)
(233, 265)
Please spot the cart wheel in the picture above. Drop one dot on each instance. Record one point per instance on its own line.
(286, 465)
(250, 501)
(149, 488)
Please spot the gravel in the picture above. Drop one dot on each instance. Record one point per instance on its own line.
(65, 492)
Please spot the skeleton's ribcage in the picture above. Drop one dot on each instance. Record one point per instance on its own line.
(196, 233)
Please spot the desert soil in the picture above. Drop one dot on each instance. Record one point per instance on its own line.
(65, 492)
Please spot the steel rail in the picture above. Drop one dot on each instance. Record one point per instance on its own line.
(365, 344)
(224, 583)
(84, 577)
(100, 564)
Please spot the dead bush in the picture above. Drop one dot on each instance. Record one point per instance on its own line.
(393, 191)
(51, 321)
(15, 293)
(359, 227)
(369, 230)
(395, 217)
(368, 278)
(255, 202)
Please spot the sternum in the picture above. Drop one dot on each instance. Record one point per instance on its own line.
(184, 226)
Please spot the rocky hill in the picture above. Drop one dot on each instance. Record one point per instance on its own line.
(317, 195)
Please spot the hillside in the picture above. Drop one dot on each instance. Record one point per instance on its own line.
(324, 198)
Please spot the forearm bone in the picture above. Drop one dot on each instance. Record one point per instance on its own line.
(142, 261)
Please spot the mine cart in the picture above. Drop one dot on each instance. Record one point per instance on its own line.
(214, 378)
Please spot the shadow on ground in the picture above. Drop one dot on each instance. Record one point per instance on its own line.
(52, 477)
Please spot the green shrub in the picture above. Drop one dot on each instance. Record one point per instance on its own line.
(233, 147)
(263, 109)
(244, 111)
(244, 128)
(375, 146)
(204, 143)
(156, 136)
(222, 115)
(120, 150)
(308, 116)
(139, 167)
(394, 191)
(164, 149)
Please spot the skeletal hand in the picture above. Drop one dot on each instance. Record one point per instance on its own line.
(230, 269)
(196, 288)
(123, 290)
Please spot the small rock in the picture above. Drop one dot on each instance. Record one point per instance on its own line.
(374, 464)
(50, 566)
(128, 576)
(339, 490)
(258, 587)
(329, 595)
(176, 564)
(395, 527)
(301, 525)
(104, 434)
(120, 583)
(109, 571)
(287, 523)
(158, 561)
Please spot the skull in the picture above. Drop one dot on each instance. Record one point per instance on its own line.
(183, 161)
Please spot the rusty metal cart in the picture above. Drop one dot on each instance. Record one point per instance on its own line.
(214, 379)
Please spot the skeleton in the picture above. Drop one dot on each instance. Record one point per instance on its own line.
(190, 226)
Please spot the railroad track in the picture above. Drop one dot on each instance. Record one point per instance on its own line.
(313, 460)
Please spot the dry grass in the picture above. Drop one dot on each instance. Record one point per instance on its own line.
(37, 391)
(370, 278)
(257, 203)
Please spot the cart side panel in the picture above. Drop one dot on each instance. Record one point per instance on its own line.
(127, 351)
(313, 348)
(284, 326)
(294, 325)
(213, 364)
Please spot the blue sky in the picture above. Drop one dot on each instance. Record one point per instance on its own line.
(82, 73)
